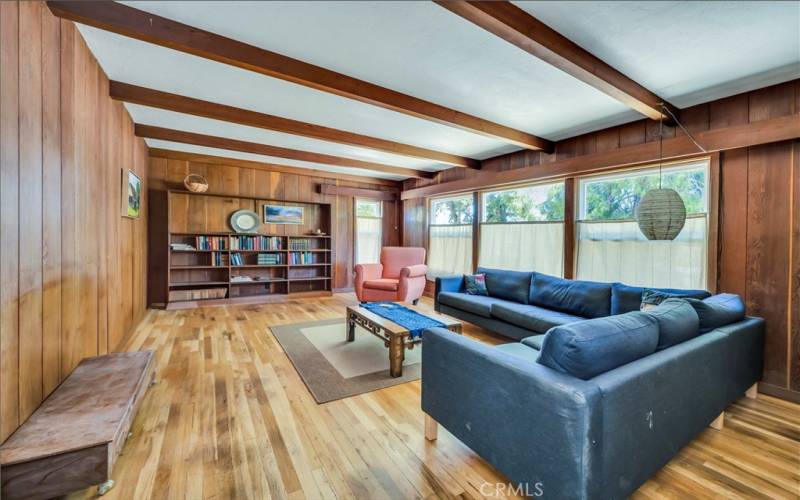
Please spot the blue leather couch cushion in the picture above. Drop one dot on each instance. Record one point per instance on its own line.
(519, 350)
(508, 285)
(476, 304)
(626, 298)
(532, 318)
(587, 299)
(677, 322)
(534, 341)
(718, 310)
(588, 348)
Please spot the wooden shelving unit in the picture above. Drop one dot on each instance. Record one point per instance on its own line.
(213, 267)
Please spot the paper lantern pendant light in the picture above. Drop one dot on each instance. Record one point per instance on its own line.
(661, 214)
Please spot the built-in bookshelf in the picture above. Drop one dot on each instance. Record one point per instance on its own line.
(223, 266)
(226, 267)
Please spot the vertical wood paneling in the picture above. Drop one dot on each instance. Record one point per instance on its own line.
(61, 278)
(51, 202)
(733, 223)
(768, 250)
(30, 200)
(9, 218)
(793, 354)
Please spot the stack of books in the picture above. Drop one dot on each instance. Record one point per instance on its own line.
(181, 246)
(269, 259)
(212, 242)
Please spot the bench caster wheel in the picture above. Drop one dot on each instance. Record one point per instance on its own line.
(104, 488)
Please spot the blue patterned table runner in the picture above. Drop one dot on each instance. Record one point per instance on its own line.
(409, 319)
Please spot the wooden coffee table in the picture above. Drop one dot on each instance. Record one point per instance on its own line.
(394, 336)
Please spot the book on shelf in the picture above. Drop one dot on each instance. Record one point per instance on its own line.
(256, 243)
(236, 259)
(299, 244)
(219, 259)
(241, 279)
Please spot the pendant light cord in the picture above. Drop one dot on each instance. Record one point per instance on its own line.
(661, 139)
(701, 148)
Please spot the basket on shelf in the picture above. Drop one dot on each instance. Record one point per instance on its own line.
(196, 183)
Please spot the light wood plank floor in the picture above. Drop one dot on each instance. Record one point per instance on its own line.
(230, 418)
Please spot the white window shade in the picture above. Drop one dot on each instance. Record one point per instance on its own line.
(523, 247)
(617, 251)
(368, 240)
(450, 250)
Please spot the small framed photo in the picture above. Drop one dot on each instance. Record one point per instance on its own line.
(279, 214)
(131, 195)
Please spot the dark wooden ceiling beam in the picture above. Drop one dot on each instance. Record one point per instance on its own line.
(519, 28)
(134, 23)
(767, 131)
(166, 134)
(197, 107)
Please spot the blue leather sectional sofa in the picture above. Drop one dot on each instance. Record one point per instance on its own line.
(594, 407)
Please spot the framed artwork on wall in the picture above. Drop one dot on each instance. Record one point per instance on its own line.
(131, 195)
(279, 214)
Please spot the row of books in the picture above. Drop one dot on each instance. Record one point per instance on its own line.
(299, 244)
(219, 259)
(256, 243)
(296, 258)
(212, 242)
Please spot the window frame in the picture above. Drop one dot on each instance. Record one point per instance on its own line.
(355, 222)
(429, 224)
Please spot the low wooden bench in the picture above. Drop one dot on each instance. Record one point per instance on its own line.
(73, 439)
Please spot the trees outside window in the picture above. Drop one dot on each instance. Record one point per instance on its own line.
(450, 235)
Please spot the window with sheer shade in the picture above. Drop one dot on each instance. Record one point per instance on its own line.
(369, 231)
(450, 236)
(610, 246)
(522, 229)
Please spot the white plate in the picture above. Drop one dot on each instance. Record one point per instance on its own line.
(245, 221)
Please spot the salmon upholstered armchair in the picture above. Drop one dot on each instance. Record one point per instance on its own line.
(400, 277)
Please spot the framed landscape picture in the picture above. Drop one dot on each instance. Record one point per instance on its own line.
(278, 214)
(131, 195)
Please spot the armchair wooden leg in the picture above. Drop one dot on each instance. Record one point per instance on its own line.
(718, 422)
(752, 392)
(431, 428)
(415, 301)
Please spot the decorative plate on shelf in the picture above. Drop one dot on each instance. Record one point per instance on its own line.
(245, 221)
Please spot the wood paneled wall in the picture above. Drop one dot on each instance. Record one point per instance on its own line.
(236, 178)
(72, 269)
(759, 212)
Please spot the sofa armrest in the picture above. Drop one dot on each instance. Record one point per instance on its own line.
(366, 272)
(447, 284)
(413, 271)
(534, 424)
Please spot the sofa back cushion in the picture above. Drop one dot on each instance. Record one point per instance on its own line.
(507, 285)
(626, 298)
(396, 258)
(718, 310)
(677, 322)
(587, 299)
(588, 348)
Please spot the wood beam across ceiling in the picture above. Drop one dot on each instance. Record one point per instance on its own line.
(166, 134)
(521, 29)
(181, 104)
(141, 25)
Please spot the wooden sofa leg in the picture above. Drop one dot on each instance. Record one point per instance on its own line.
(718, 422)
(431, 428)
(752, 392)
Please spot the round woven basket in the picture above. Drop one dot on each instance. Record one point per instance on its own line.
(196, 183)
(661, 214)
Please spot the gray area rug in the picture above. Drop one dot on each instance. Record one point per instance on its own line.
(333, 368)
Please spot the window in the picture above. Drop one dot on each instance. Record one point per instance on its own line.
(369, 223)
(450, 236)
(610, 246)
(523, 229)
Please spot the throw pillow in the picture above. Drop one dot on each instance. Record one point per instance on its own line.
(475, 284)
(652, 298)
(718, 310)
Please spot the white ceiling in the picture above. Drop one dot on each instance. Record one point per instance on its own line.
(704, 50)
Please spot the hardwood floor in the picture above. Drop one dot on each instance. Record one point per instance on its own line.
(230, 418)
